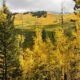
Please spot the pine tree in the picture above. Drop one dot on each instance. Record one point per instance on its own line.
(8, 48)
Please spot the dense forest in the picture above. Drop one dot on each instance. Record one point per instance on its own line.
(39, 53)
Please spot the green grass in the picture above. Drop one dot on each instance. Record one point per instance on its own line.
(46, 27)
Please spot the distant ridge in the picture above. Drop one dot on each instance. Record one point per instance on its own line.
(50, 19)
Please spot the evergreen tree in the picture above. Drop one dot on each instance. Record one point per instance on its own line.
(8, 48)
(77, 4)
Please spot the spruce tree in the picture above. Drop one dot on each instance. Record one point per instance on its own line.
(8, 48)
(77, 4)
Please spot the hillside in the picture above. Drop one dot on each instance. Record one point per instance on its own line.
(51, 19)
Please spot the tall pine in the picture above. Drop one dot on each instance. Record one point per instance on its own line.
(8, 46)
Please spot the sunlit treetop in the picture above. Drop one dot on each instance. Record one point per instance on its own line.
(5, 8)
(3, 16)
